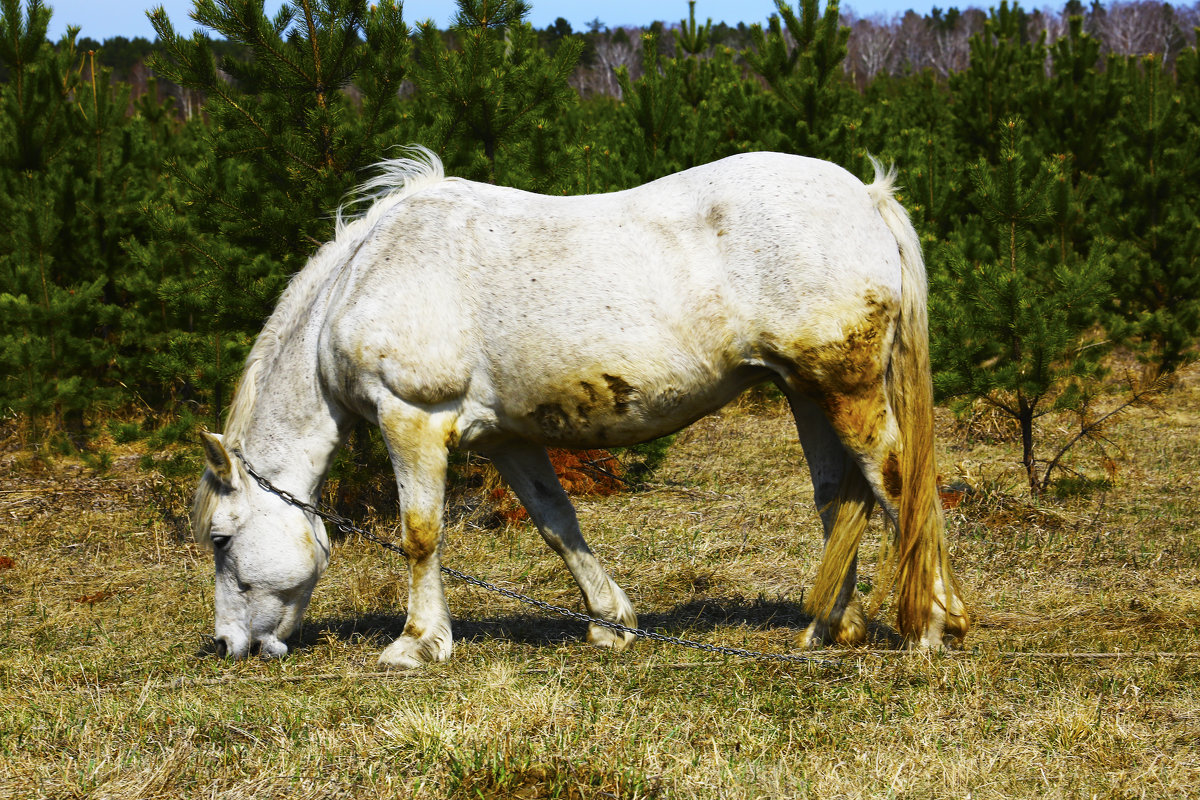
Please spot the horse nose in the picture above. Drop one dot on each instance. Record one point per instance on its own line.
(229, 647)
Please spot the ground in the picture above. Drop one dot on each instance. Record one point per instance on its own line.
(110, 689)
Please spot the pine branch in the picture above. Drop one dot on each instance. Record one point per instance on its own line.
(1093, 428)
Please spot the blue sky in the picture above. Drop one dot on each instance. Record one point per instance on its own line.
(101, 19)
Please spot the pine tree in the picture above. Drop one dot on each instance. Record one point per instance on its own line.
(1014, 309)
(1079, 101)
(293, 123)
(911, 122)
(693, 106)
(74, 170)
(38, 127)
(490, 108)
(1151, 204)
(1006, 76)
(727, 110)
(692, 39)
(702, 63)
(802, 68)
(655, 104)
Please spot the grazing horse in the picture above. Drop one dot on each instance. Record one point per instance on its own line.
(460, 314)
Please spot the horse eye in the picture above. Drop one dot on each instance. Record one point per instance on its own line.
(219, 541)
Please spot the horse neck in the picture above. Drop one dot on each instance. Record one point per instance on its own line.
(293, 428)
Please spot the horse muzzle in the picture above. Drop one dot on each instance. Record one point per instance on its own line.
(238, 647)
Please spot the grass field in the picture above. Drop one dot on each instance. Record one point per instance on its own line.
(110, 689)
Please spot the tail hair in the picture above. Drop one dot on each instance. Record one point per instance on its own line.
(919, 554)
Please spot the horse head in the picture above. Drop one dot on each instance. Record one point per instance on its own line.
(268, 553)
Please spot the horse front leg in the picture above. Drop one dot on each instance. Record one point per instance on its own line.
(528, 470)
(417, 444)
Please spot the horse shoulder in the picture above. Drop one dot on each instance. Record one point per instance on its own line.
(402, 324)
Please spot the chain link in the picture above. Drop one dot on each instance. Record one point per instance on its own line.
(346, 526)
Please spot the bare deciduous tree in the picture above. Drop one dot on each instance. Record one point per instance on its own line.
(950, 50)
(1138, 28)
(869, 50)
(611, 52)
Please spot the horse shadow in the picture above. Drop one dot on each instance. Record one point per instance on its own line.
(691, 619)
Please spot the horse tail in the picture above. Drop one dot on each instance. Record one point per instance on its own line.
(919, 556)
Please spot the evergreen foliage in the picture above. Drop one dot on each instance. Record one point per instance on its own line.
(74, 169)
(692, 39)
(1015, 309)
(490, 106)
(142, 244)
(802, 68)
(1153, 193)
(911, 122)
(1006, 77)
(293, 124)
(1078, 101)
(655, 102)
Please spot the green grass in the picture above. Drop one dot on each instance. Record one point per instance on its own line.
(110, 689)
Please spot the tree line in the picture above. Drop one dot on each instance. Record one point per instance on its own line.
(1050, 171)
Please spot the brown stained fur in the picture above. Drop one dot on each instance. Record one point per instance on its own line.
(422, 444)
(862, 414)
(844, 376)
(421, 534)
(622, 392)
(553, 420)
(583, 403)
(893, 483)
(844, 368)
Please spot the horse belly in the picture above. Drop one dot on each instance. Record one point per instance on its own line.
(618, 406)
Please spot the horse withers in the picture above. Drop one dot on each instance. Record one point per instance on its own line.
(460, 314)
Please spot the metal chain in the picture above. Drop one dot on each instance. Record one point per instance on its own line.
(346, 526)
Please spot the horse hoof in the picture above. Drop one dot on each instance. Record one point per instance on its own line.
(813, 636)
(851, 629)
(409, 653)
(600, 636)
(958, 622)
(930, 642)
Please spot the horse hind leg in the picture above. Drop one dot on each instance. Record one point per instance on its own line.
(833, 600)
(417, 444)
(894, 452)
(528, 470)
(844, 501)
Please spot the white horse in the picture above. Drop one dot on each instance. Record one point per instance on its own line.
(460, 314)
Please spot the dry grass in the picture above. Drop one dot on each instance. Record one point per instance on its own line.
(110, 689)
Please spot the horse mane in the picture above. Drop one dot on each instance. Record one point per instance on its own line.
(396, 180)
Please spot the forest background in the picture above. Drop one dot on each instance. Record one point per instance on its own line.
(156, 197)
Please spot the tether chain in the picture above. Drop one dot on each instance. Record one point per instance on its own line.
(346, 526)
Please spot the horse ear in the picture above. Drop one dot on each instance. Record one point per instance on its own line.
(218, 459)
